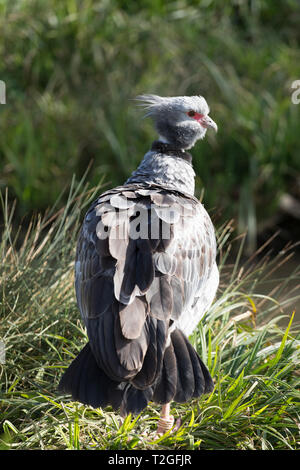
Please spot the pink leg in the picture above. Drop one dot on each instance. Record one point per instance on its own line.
(166, 420)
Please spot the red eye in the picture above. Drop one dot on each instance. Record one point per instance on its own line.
(195, 115)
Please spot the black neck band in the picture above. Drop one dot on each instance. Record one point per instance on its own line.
(168, 149)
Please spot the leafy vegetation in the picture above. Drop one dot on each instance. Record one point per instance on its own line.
(251, 354)
(71, 69)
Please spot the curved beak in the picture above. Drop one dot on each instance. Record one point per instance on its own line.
(207, 122)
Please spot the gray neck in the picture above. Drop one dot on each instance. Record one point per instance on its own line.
(165, 170)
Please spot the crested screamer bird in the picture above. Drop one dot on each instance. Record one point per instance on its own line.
(146, 273)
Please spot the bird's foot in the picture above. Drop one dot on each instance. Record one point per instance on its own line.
(165, 424)
(177, 425)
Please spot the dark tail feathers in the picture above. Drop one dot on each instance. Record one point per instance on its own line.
(88, 384)
(183, 376)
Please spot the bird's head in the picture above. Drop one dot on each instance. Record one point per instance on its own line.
(180, 120)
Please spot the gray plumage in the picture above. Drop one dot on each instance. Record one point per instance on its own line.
(171, 119)
(166, 170)
(145, 274)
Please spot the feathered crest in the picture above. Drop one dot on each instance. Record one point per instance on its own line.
(151, 103)
(155, 104)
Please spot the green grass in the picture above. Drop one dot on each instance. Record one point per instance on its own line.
(249, 341)
(71, 69)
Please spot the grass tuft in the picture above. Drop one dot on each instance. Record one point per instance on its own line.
(248, 339)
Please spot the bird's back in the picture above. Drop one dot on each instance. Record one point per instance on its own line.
(145, 274)
(144, 260)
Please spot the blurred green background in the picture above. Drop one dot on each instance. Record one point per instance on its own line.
(72, 67)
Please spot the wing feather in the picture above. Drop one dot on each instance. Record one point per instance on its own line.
(130, 289)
